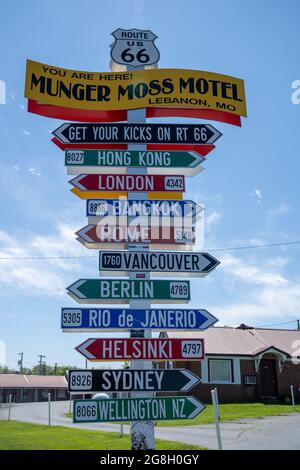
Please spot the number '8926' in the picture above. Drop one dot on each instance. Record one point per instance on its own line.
(80, 380)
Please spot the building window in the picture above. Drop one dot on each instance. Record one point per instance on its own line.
(220, 370)
(61, 393)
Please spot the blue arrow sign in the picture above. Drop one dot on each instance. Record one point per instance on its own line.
(141, 208)
(109, 319)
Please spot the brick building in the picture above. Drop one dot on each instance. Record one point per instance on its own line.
(29, 388)
(245, 364)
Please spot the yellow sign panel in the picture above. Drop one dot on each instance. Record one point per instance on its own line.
(178, 88)
(165, 195)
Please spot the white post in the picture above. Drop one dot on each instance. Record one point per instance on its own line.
(9, 406)
(142, 432)
(217, 402)
(70, 405)
(216, 415)
(292, 395)
(49, 408)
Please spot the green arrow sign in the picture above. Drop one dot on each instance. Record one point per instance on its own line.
(159, 160)
(123, 291)
(136, 409)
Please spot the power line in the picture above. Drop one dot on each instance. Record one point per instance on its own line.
(245, 247)
(279, 324)
(44, 257)
(248, 247)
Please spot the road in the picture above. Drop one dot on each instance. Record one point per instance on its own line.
(274, 432)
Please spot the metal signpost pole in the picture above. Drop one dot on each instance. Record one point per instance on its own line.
(292, 395)
(217, 417)
(217, 402)
(142, 432)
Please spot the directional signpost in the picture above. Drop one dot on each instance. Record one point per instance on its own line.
(142, 409)
(108, 291)
(117, 161)
(136, 133)
(113, 319)
(139, 380)
(103, 235)
(139, 183)
(142, 208)
(159, 262)
(154, 349)
(132, 174)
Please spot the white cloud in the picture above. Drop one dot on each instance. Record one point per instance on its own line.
(253, 273)
(34, 172)
(281, 303)
(26, 132)
(212, 218)
(17, 168)
(21, 106)
(282, 209)
(257, 194)
(259, 289)
(39, 277)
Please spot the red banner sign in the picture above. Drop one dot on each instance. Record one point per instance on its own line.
(104, 233)
(158, 349)
(139, 183)
(72, 114)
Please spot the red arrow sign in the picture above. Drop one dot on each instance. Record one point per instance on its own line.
(143, 183)
(104, 233)
(201, 149)
(158, 349)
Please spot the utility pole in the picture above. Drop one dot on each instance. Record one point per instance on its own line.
(41, 356)
(298, 324)
(20, 362)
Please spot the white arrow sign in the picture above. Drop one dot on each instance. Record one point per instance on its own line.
(159, 262)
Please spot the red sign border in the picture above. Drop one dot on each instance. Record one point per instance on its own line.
(82, 115)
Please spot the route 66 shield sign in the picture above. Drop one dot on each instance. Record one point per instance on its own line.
(134, 47)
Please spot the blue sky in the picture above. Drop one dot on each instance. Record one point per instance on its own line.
(249, 186)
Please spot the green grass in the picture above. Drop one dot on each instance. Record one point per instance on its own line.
(233, 412)
(24, 436)
(229, 412)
